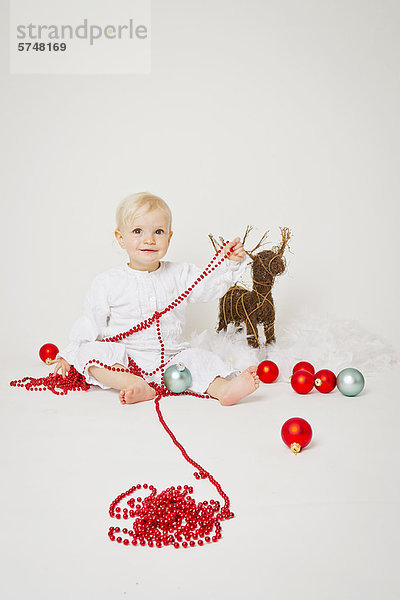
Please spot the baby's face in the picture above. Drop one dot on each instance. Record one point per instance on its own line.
(146, 240)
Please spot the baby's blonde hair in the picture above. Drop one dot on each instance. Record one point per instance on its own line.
(129, 207)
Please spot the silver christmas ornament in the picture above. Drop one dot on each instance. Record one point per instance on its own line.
(350, 382)
(177, 378)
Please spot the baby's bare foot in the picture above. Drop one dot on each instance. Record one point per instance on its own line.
(241, 386)
(137, 392)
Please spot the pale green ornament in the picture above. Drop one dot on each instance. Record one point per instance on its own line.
(177, 378)
(350, 382)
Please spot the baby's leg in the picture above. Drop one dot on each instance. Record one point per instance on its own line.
(230, 391)
(132, 388)
(206, 366)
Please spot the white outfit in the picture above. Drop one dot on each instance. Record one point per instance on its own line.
(122, 297)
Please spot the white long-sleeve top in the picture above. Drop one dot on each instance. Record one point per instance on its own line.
(121, 297)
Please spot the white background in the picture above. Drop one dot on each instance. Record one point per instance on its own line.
(262, 113)
(259, 112)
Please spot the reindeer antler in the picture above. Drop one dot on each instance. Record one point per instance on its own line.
(248, 229)
(217, 245)
(214, 242)
(259, 243)
(286, 235)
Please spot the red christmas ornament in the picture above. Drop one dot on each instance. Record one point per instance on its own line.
(296, 433)
(325, 381)
(267, 371)
(303, 366)
(302, 382)
(48, 352)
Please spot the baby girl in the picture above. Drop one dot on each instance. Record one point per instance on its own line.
(128, 294)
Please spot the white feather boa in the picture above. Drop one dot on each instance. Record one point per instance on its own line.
(326, 343)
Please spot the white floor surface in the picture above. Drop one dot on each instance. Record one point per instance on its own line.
(320, 525)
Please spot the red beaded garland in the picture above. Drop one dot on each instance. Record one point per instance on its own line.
(171, 516)
(55, 383)
(168, 517)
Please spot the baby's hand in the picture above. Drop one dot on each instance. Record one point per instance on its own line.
(62, 364)
(235, 249)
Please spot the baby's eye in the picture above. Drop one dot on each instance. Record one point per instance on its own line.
(159, 231)
(137, 230)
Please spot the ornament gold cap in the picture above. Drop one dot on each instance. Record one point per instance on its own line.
(295, 447)
(48, 361)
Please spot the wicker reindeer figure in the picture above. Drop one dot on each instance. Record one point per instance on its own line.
(252, 307)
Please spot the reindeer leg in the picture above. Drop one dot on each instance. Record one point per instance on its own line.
(239, 325)
(221, 325)
(252, 333)
(223, 320)
(269, 332)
